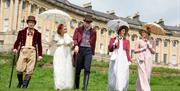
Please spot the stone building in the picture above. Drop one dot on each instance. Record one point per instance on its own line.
(13, 15)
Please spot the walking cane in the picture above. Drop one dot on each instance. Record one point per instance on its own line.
(13, 63)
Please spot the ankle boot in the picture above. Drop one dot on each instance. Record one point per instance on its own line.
(77, 78)
(26, 81)
(85, 82)
(20, 79)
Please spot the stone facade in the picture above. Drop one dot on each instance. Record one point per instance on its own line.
(13, 15)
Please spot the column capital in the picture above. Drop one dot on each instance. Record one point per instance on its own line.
(166, 40)
(104, 29)
(159, 39)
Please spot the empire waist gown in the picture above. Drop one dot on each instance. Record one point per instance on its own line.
(62, 63)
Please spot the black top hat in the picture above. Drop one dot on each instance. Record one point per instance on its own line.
(31, 18)
(88, 18)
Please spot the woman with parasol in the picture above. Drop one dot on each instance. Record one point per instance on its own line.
(120, 58)
(62, 60)
(145, 49)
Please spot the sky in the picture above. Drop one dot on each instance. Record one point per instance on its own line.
(149, 10)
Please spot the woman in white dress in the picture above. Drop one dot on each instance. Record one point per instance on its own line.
(119, 61)
(62, 61)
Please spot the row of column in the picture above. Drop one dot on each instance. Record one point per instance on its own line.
(1, 14)
(8, 14)
(170, 51)
(13, 14)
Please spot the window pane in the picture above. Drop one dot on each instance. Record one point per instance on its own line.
(101, 48)
(174, 60)
(73, 23)
(110, 33)
(103, 31)
(132, 38)
(132, 53)
(24, 4)
(1, 45)
(7, 3)
(165, 43)
(157, 42)
(174, 43)
(165, 58)
(6, 25)
(33, 8)
(156, 57)
(41, 10)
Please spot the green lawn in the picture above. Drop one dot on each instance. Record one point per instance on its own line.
(163, 79)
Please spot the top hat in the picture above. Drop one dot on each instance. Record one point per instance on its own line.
(88, 18)
(31, 18)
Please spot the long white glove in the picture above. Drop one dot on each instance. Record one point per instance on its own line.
(129, 63)
(149, 44)
(116, 41)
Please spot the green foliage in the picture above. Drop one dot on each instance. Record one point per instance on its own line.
(162, 79)
(99, 63)
(6, 55)
(47, 59)
(166, 70)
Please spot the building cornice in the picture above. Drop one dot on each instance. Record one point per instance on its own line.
(104, 17)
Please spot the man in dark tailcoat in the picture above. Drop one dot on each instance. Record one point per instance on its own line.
(84, 42)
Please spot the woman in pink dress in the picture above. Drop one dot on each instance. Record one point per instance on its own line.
(145, 51)
(118, 75)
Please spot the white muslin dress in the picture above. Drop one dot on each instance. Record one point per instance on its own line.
(118, 70)
(62, 63)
